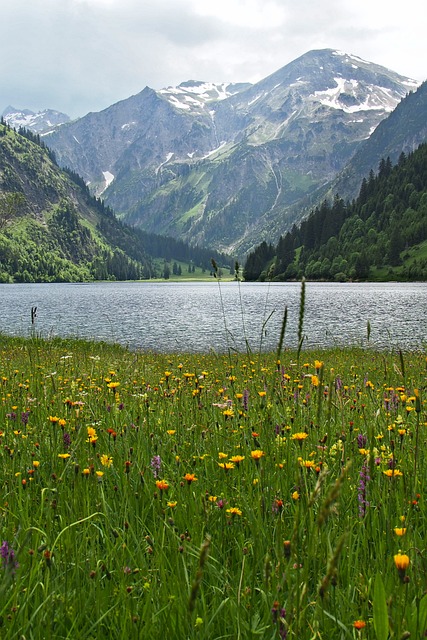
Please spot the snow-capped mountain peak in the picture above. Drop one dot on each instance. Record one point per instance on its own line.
(40, 122)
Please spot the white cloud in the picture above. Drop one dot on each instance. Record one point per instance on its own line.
(83, 55)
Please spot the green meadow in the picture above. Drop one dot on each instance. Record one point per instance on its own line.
(211, 496)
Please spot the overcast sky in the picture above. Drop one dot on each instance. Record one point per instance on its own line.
(78, 56)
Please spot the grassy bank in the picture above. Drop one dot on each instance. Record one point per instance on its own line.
(205, 496)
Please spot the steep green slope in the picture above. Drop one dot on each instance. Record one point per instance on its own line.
(379, 236)
(53, 229)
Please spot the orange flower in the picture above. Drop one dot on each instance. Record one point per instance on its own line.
(190, 477)
(359, 624)
(162, 485)
(401, 561)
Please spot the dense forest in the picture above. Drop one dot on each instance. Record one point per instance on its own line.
(381, 235)
(52, 229)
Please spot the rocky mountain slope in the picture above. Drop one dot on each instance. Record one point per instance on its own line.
(225, 165)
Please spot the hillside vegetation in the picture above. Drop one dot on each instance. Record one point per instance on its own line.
(381, 235)
(53, 230)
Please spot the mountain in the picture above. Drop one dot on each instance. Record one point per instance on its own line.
(40, 122)
(53, 229)
(227, 165)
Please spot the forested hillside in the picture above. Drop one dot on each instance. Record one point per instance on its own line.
(381, 235)
(53, 230)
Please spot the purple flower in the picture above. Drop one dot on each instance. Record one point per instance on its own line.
(278, 615)
(66, 439)
(156, 463)
(24, 417)
(8, 557)
(361, 441)
(361, 495)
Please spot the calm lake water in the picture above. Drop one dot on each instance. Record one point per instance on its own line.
(198, 317)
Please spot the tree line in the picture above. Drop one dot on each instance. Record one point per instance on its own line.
(371, 237)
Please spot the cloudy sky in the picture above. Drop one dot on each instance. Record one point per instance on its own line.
(78, 56)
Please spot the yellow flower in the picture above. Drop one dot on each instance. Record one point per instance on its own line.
(86, 472)
(300, 437)
(64, 456)
(262, 394)
(237, 459)
(226, 465)
(400, 531)
(318, 364)
(315, 381)
(171, 432)
(308, 464)
(36, 464)
(222, 455)
(392, 473)
(172, 505)
(53, 419)
(234, 511)
(106, 460)
(257, 454)
(295, 495)
(113, 385)
(99, 474)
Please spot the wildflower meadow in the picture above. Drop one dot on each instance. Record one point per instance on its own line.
(267, 496)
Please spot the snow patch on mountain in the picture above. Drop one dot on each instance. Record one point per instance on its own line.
(108, 177)
(348, 97)
(169, 156)
(193, 96)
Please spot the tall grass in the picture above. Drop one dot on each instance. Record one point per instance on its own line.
(205, 496)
